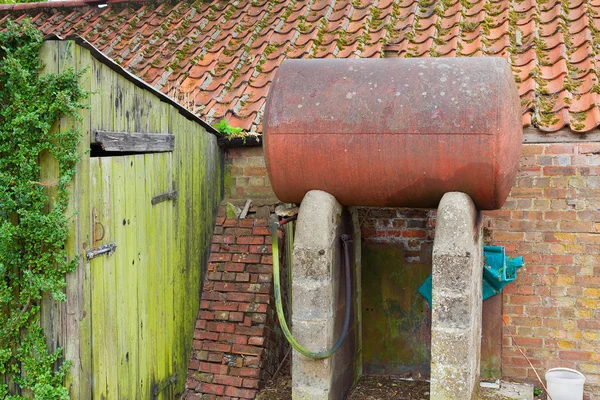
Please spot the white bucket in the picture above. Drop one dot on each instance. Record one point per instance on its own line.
(565, 384)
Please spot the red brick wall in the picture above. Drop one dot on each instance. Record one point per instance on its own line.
(413, 228)
(552, 218)
(236, 343)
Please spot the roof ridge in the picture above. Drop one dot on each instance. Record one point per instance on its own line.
(62, 4)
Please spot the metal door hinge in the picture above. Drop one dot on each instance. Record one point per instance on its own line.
(164, 384)
(172, 195)
(104, 249)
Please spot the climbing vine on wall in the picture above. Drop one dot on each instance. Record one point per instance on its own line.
(33, 220)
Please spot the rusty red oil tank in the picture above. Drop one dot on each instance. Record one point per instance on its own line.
(394, 132)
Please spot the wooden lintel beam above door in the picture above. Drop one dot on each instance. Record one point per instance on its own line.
(134, 142)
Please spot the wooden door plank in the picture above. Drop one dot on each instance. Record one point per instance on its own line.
(119, 293)
(196, 174)
(491, 338)
(127, 101)
(142, 201)
(163, 186)
(98, 300)
(170, 249)
(150, 120)
(169, 276)
(181, 160)
(78, 324)
(132, 271)
(50, 314)
(152, 227)
(110, 280)
(108, 91)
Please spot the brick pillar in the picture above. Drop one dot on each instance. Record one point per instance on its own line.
(456, 305)
(236, 345)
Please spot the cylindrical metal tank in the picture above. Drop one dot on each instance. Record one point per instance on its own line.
(394, 132)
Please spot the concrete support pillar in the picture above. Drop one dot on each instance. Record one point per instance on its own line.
(456, 305)
(318, 300)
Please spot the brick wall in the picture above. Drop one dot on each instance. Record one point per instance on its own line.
(236, 343)
(412, 228)
(246, 176)
(552, 218)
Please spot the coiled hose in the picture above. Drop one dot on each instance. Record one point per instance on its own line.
(278, 305)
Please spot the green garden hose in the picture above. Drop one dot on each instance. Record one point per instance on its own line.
(286, 331)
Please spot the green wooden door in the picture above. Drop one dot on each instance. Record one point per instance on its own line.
(132, 289)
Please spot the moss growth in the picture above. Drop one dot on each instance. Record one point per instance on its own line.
(230, 11)
(341, 41)
(319, 39)
(302, 26)
(374, 20)
(288, 10)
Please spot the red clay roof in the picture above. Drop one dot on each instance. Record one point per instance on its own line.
(218, 58)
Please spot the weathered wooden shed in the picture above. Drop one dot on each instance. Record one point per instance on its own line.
(144, 202)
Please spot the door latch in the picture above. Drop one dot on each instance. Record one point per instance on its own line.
(104, 249)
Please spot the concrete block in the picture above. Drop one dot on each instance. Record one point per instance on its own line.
(457, 220)
(458, 354)
(451, 268)
(318, 299)
(311, 263)
(318, 220)
(508, 391)
(456, 300)
(308, 299)
(314, 335)
(453, 312)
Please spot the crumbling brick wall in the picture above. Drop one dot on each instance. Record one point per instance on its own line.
(236, 343)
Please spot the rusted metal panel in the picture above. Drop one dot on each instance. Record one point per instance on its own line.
(394, 132)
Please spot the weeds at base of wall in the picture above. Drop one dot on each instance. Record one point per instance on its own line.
(33, 224)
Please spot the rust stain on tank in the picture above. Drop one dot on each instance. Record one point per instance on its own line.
(394, 132)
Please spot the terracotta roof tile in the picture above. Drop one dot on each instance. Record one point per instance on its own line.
(219, 58)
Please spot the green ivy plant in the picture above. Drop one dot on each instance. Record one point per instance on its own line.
(33, 224)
